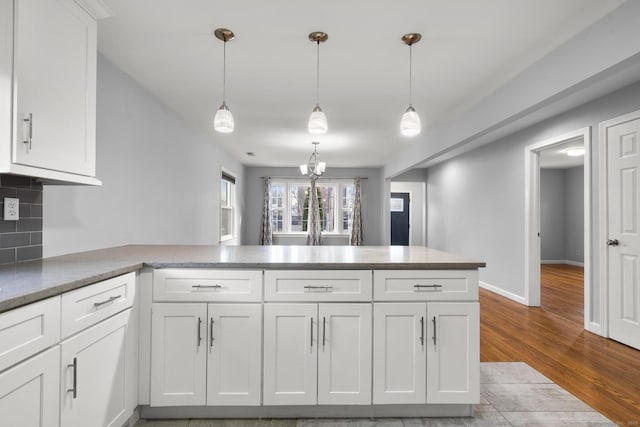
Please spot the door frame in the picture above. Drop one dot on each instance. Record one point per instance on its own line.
(603, 226)
(532, 220)
(410, 193)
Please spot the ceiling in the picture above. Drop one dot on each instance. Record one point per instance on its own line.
(555, 157)
(469, 48)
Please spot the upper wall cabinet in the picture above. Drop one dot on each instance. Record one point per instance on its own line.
(48, 54)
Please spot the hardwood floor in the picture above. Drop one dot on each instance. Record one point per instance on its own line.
(603, 373)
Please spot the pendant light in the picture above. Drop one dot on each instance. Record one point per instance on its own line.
(314, 168)
(410, 123)
(223, 120)
(317, 120)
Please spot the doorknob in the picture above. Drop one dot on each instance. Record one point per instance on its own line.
(613, 242)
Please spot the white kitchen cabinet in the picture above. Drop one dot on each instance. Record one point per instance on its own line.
(29, 392)
(426, 353)
(48, 53)
(399, 354)
(205, 354)
(93, 375)
(453, 353)
(317, 354)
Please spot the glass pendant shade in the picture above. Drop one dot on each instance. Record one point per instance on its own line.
(223, 120)
(318, 121)
(410, 123)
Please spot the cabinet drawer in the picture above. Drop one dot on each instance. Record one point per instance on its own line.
(27, 330)
(207, 285)
(425, 285)
(316, 285)
(86, 306)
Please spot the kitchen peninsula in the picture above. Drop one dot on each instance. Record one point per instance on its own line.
(246, 331)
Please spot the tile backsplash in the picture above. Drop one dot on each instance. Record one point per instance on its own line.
(21, 240)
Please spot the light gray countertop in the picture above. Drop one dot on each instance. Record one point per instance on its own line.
(32, 281)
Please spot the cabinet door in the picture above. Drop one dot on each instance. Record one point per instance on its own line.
(453, 353)
(290, 354)
(344, 354)
(93, 375)
(178, 354)
(235, 354)
(55, 81)
(29, 392)
(399, 355)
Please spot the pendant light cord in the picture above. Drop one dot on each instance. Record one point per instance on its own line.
(411, 75)
(224, 73)
(318, 73)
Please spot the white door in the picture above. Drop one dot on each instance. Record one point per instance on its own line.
(93, 375)
(55, 72)
(623, 180)
(453, 352)
(178, 354)
(399, 355)
(29, 392)
(235, 354)
(290, 354)
(344, 354)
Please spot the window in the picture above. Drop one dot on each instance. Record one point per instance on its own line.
(289, 202)
(227, 203)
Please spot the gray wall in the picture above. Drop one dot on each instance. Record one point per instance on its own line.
(371, 203)
(574, 214)
(476, 200)
(562, 214)
(552, 214)
(161, 179)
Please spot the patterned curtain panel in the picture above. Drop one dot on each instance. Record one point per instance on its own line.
(314, 238)
(356, 227)
(266, 236)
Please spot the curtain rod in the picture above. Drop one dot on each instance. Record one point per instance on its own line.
(306, 177)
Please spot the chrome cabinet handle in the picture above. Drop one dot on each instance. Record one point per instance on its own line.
(199, 335)
(29, 122)
(422, 331)
(435, 331)
(419, 287)
(613, 242)
(324, 327)
(206, 286)
(74, 365)
(211, 333)
(312, 332)
(107, 301)
(326, 288)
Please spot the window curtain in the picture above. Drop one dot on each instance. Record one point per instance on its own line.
(314, 238)
(266, 236)
(356, 226)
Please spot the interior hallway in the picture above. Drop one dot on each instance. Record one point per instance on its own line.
(603, 373)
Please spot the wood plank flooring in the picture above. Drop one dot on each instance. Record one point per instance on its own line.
(603, 373)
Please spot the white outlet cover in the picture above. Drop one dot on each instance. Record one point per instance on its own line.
(11, 209)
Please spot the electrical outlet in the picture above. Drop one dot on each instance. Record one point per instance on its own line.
(11, 209)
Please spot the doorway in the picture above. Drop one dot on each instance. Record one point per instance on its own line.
(400, 219)
(545, 153)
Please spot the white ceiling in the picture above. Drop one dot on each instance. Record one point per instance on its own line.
(469, 48)
(555, 157)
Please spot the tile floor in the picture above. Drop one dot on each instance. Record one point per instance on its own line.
(511, 393)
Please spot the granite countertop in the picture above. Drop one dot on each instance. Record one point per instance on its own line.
(32, 281)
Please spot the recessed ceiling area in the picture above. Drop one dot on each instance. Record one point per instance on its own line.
(468, 49)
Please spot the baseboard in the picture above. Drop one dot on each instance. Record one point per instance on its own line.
(502, 292)
(562, 261)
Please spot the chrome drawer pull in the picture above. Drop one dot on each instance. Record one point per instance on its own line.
(419, 287)
(107, 301)
(207, 286)
(326, 288)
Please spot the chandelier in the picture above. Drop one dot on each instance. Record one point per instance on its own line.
(223, 120)
(314, 168)
(317, 120)
(410, 123)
